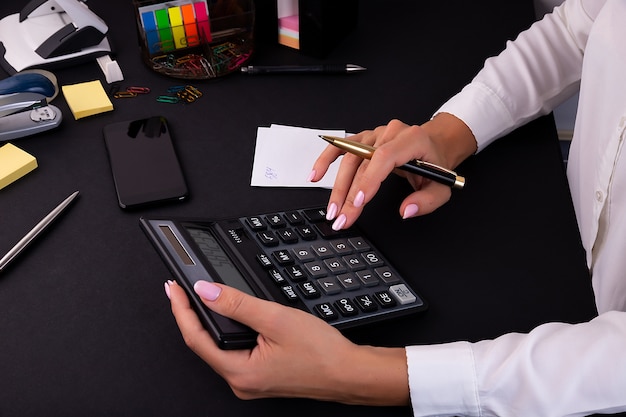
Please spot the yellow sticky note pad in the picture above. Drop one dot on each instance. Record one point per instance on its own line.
(14, 164)
(86, 99)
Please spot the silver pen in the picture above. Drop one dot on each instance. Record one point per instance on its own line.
(35, 231)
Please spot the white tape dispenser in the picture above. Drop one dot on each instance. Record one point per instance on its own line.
(51, 33)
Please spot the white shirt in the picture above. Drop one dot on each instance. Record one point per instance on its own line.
(557, 369)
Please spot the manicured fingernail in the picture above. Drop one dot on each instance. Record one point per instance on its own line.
(167, 289)
(331, 211)
(409, 211)
(340, 222)
(359, 199)
(311, 176)
(207, 290)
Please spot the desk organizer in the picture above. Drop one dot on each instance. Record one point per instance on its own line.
(314, 27)
(195, 39)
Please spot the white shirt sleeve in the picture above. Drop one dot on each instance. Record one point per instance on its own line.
(556, 370)
(535, 73)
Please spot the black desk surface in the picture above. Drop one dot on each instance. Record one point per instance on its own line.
(85, 328)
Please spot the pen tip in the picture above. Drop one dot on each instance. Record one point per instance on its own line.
(326, 138)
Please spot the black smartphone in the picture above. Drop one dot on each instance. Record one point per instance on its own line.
(144, 163)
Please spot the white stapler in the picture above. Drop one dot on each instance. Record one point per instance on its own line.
(24, 104)
(51, 33)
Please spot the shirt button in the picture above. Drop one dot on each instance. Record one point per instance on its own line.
(599, 196)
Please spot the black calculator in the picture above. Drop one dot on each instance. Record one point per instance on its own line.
(291, 257)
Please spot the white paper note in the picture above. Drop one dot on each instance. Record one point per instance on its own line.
(284, 157)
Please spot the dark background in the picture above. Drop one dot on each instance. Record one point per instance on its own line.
(85, 328)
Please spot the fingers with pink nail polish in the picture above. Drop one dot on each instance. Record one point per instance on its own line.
(358, 199)
(207, 290)
(410, 211)
(167, 287)
(340, 222)
(331, 211)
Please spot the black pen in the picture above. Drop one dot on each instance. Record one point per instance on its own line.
(303, 69)
(425, 169)
(35, 231)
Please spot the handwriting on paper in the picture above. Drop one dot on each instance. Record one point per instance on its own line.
(284, 157)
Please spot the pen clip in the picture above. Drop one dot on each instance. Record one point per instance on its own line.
(433, 166)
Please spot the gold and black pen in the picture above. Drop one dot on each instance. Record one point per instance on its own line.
(425, 169)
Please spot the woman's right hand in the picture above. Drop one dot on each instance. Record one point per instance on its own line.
(445, 141)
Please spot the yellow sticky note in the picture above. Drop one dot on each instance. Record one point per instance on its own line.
(14, 164)
(178, 31)
(86, 99)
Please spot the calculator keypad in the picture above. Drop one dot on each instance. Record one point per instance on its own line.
(339, 276)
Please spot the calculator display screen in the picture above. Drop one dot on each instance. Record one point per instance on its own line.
(219, 260)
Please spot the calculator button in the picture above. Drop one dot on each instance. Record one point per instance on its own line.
(256, 223)
(303, 254)
(296, 273)
(366, 303)
(402, 294)
(335, 266)
(275, 221)
(293, 217)
(267, 238)
(325, 311)
(367, 278)
(373, 259)
(290, 293)
(387, 275)
(314, 215)
(385, 299)
(323, 250)
(309, 290)
(354, 262)
(316, 269)
(329, 285)
(283, 257)
(276, 276)
(338, 275)
(346, 307)
(326, 230)
(264, 260)
(306, 232)
(341, 246)
(359, 243)
(288, 236)
(348, 281)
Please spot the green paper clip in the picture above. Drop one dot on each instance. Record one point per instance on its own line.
(168, 99)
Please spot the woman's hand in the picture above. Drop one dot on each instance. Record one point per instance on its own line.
(297, 354)
(445, 141)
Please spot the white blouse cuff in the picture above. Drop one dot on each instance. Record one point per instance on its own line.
(482, 111)
(442, 380)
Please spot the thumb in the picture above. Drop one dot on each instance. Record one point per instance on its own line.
(235, 304)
